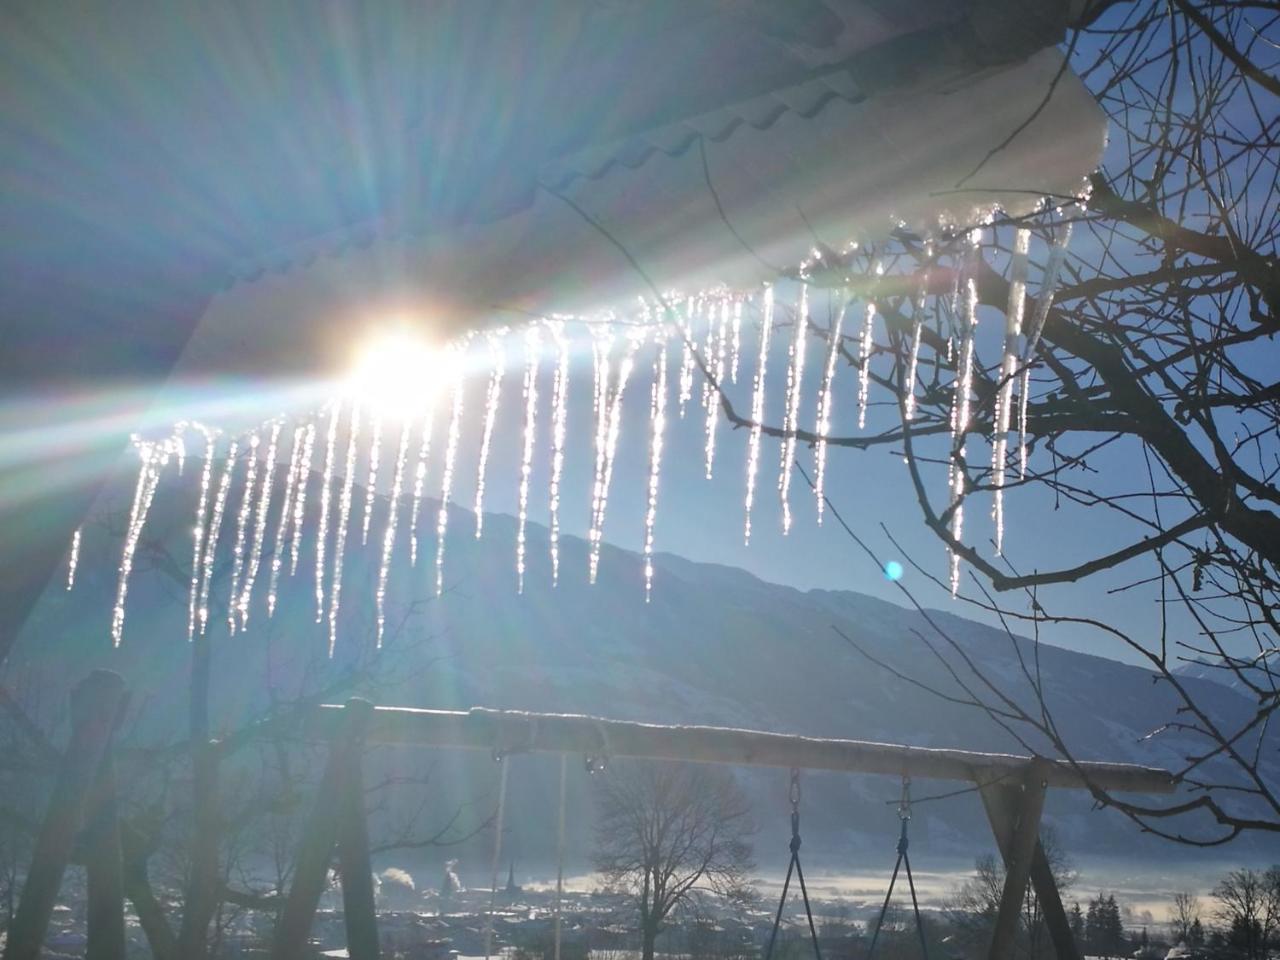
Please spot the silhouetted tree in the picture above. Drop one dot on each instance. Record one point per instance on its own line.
(1146, 400)
(665, 831)
(1249, 906)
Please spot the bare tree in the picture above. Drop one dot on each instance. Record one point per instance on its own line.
(1185, 914)
(1149, 392)
(1249, 907)
(666, 831)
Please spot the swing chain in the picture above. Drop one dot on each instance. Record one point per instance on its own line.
(795, 811)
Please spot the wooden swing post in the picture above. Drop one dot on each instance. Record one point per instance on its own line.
(337, 822)
(81, 809)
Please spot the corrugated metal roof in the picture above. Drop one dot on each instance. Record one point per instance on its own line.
(803, 99)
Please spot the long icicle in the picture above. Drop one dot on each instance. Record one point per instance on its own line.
(371, 485)
(326, 498)
(420, 477)
(446, 479)
(1008, 372)
(73, 559)
(260, 525)
(264, 504)
(154, 457)
(961, 406)
(286, 514)
(602, 347)
(823, 428)
(242, 529)
(657, 427)
(533, 356)
(757, 410)
(691, 310)
(300, 497)
(718, 358)
(791, 421)
(559, 420)
(497, 355)
(344, 517)
(146, 451)
(917, 334)
(866, 342)
(736, 349)
(215, 530)
(198, 531)
(613, 431)
(1048, 290)
(389, 534)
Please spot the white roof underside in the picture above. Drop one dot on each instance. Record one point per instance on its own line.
(851, 166)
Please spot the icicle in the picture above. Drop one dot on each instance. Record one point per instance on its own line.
(823, 427)
(371, 485)
(153, 458)
(300, 496)
(717, 358)
(865, 344)
(960, 414)
(344, 517)
(612, 433)
(145, 453)
(1048, 289)
(757, 410)
(446, 481)
(657, 426)
(326, 497)
(601, 348)
(533, 354)
(420, 478)
(791, 416)
(198, 533)
(686, 357)
(260, 526)
(492, 396)
(179, 444)
(389, 535)
(73, 559)
(736, 349)
(917, 334)
(559, 419)
(242, 529)
(215, 529)
(1008, 371)
(286, 514)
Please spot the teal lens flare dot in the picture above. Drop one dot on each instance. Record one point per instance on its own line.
(893, 571)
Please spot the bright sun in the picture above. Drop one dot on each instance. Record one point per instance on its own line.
(397, 373)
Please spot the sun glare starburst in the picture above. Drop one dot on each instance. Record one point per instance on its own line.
(397, 373)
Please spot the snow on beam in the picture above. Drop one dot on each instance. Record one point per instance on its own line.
(513, 731)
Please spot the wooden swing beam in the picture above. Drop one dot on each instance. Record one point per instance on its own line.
(517, 731)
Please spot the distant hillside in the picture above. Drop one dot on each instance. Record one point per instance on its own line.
(716, 645)
(1232, 679)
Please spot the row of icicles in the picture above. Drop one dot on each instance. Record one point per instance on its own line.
(709, 332)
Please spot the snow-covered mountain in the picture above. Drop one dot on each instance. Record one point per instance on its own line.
(1233, 679)
(715, 645)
